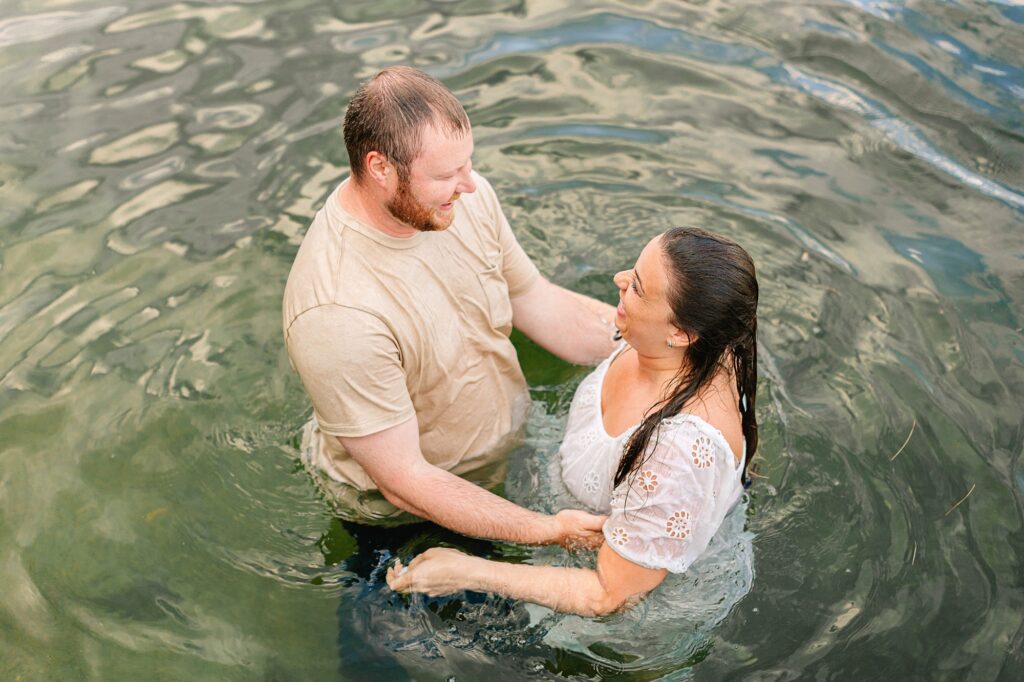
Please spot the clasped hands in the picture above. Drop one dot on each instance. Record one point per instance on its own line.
(440, 571)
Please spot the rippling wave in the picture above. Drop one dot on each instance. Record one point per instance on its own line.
(159, 163)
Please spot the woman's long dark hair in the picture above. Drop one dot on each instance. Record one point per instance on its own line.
(713, 296)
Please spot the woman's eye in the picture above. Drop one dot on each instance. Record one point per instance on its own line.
(634, 287)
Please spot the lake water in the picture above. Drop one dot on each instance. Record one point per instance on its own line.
(159, 163)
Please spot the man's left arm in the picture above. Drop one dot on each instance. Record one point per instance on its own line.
(572, 326)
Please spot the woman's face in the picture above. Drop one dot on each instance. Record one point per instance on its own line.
(644, 316)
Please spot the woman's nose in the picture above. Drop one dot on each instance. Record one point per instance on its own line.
(620, 279)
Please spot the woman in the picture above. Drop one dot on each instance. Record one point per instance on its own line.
(659, 436)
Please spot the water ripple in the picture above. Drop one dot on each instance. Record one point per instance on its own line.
(900, 132)
(33, 27)
(160, 165)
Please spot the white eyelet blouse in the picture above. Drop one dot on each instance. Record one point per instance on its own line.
(665, 514)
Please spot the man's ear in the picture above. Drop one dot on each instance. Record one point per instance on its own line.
(378, 168)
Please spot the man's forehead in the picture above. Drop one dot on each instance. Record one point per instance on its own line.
(442, 147)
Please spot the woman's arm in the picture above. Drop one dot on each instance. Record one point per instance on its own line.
(617, 582)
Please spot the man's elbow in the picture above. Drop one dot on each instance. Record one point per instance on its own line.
(394, 495)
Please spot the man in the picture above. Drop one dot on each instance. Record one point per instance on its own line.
(397, 316)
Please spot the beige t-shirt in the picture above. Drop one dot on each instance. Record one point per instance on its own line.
(380, 328)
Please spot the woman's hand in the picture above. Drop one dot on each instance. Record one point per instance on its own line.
(438, 571)
(617, 582)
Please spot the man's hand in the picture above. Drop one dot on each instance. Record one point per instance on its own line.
(578, 529)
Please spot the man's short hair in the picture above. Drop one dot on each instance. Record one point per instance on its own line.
(388, 114)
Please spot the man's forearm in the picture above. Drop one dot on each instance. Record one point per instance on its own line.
(574, 327)
(601, 309)
(393, 460)
(594, 324)
(453, 502)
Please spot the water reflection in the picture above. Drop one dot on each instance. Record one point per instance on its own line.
(48, 25)
(161, 162)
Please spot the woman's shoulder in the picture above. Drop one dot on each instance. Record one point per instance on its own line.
(691, 436)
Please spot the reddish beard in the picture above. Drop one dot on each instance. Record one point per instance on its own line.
(404, 208)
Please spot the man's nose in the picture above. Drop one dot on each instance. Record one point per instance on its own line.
(466, 184)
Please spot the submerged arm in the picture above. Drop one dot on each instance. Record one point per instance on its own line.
(617, 582)
(393, 459)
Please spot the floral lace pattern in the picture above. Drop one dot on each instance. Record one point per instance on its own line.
(587, 439)
(703, 452)
(587, 395)
(619, 536)
(665, 513)
(648, 481)
(678, 525)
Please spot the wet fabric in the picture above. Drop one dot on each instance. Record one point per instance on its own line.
(381, 328)
(666, 512)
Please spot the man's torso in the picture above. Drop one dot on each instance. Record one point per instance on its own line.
(441, 303)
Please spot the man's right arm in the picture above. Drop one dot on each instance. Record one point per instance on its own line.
(392, 458)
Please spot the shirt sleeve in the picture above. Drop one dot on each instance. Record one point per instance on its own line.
(351, 366)
(662, 516)
(518, 270)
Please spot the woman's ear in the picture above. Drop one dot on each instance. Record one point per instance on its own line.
(680, 339)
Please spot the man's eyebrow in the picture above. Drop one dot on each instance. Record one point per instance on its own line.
(453, 171)
(637, 275)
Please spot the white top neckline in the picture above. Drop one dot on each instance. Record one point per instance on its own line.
(676, 419)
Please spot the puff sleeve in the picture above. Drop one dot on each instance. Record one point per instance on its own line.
(665, 513)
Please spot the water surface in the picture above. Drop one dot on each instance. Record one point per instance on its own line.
(159, 163)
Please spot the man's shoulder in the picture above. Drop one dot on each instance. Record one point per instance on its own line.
(483, 213)
(323, 269)
(339, 321)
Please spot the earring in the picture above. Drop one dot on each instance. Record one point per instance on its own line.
(670, 344)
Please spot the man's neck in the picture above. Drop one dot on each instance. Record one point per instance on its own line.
(368, 208)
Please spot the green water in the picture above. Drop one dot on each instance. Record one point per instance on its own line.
(159, 163)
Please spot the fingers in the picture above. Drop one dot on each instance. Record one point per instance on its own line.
(584, 538)
(396, 578)
(399, 577)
